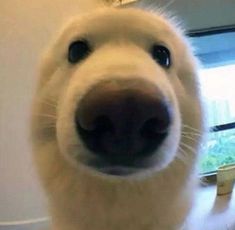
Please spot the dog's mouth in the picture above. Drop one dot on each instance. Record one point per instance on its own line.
(117, 168)
(121, 167)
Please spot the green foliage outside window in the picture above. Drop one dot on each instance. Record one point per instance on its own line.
(219, 150)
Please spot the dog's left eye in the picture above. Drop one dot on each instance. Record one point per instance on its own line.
(78, 50)
(161, 55)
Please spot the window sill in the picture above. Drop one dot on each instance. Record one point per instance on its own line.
(212, 212)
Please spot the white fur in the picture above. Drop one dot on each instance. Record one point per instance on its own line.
(81, 199)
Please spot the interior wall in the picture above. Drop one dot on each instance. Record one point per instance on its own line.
(25, 28)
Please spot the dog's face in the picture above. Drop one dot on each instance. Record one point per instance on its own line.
(122, 84)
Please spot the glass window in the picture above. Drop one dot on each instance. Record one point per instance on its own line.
(219, 150)
(218, 92)
(219, 99)
(217, 80)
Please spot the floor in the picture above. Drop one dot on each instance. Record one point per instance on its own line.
(211, 212)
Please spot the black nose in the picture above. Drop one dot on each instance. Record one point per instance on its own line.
(122, 121)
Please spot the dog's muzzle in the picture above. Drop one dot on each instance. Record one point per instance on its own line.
(123, 122)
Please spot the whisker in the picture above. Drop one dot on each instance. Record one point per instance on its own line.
(191, 133)
(191, 128)
(46, 115)
(188, 137)
(47, 129)
(49, 103)
(51, 99)
(188, 147)
(182, 155)
(49, 126)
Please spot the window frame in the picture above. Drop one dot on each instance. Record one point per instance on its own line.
(210, 177)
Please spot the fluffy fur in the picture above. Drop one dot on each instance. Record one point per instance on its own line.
(80, 198)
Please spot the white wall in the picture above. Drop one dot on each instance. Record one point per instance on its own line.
(25, 27)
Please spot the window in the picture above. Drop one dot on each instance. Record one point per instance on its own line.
(217, 80)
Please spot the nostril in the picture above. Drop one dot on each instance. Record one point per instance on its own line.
(158, 123)
(102, 125)
(154, 127)
(95, 131)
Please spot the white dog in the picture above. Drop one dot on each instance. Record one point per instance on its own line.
(115, 107)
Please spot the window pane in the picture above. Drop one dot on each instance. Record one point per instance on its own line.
(215, 50)
(217, 78)
(220, 150)
(218, 91)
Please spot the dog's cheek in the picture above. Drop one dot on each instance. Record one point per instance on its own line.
(68, 141)
(191, 116)
(64, 125)
(187, 73)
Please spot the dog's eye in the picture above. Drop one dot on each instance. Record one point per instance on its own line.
(161, 55)
(78, 50)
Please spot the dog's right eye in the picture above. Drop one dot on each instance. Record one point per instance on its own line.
(161, 55)
(78, 50)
